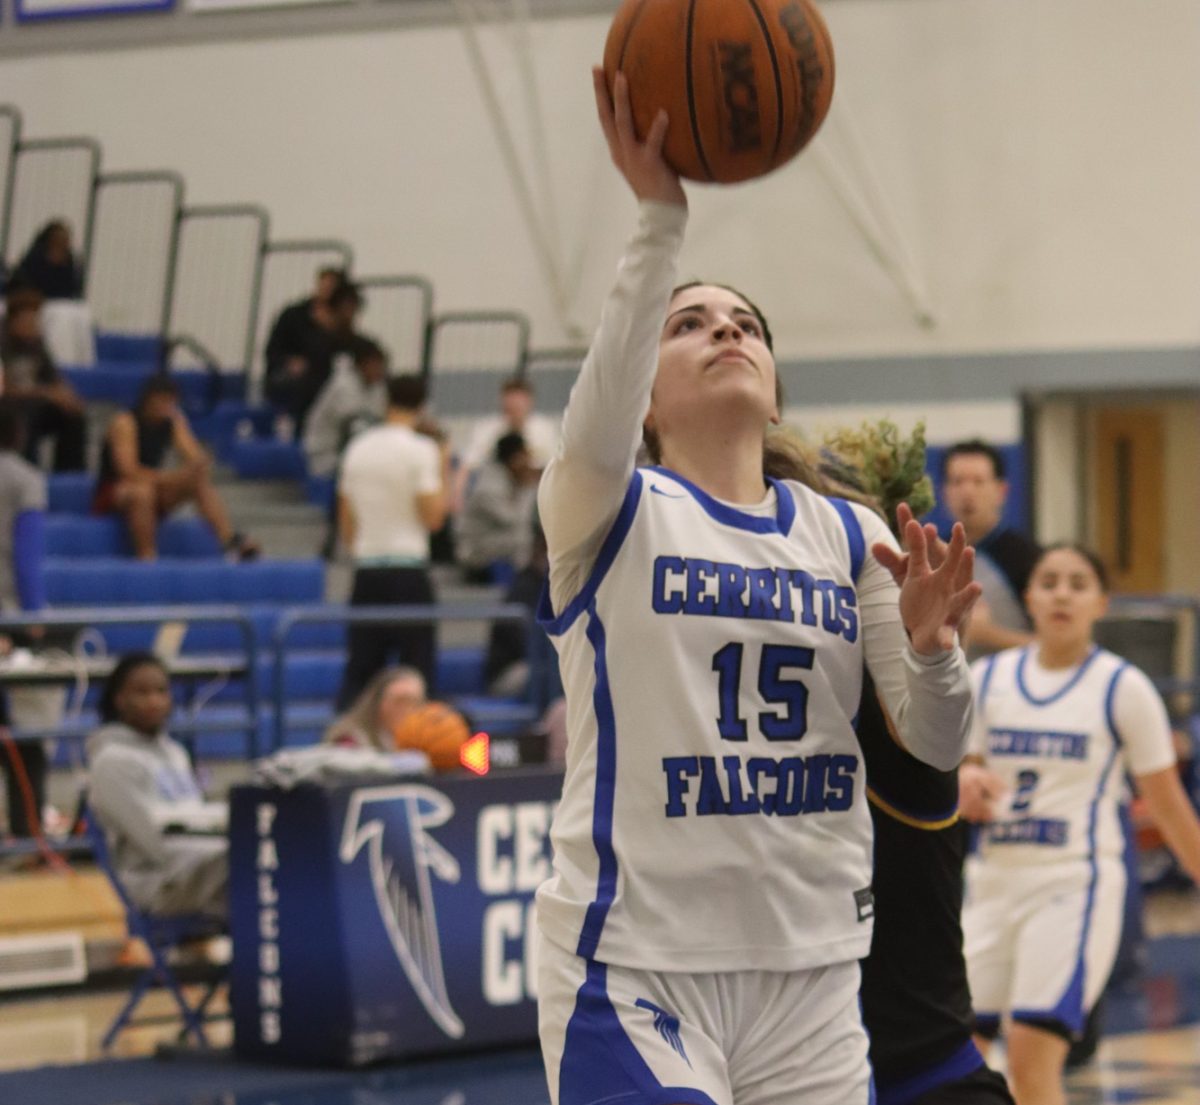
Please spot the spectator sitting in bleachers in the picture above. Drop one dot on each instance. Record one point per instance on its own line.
(292, 322)
(135, 481)
(22, 587)
(516, 415)
(370, 722)
(161, 832)
(496, 524)
(48, 405)
(49, 264)
(304, 341)
(393, 714)
(354, 398)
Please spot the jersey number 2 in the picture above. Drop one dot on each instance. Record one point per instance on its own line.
(1026, 782)
(775, 689)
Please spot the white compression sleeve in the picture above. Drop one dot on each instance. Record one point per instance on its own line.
(928, 697)
(582, 487)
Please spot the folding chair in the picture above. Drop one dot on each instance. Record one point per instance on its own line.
(161, 935)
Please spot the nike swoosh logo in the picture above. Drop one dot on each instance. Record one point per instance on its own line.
(665, 494)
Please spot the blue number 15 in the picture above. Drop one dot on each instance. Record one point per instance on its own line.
(776, 690)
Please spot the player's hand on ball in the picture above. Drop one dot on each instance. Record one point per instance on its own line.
(937, 589)
(640, 163)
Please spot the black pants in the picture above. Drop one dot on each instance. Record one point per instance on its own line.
(30, 768)
(371, 647)
(984, 1087)
(45, 418)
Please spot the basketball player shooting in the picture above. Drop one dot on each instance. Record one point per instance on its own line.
(711, 894)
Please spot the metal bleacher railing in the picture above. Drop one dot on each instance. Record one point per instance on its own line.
(439, 613)
(65, 667)
(80, 668)
(264, 719)
(51, 178)
(218, 278)
(162, 270)
(135, 245)
(397, 312)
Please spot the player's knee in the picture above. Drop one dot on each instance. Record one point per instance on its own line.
(1036, 1056)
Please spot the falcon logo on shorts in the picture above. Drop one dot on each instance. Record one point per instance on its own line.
(666, 1026)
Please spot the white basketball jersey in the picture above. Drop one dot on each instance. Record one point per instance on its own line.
(1061, 757)
(713, 815)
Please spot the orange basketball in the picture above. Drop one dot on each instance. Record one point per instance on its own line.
(437, 730)
(746, 83)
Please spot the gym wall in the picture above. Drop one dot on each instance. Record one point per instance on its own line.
(1026, 170)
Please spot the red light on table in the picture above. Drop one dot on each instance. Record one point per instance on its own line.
(474, 755)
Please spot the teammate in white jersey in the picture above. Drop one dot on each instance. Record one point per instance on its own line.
(1056, 726)
(713, 847)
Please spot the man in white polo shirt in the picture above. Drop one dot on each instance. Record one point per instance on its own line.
(392, 495)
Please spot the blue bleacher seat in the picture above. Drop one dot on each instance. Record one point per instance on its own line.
(267, 460)
(139, 349)
(187, 537)
(119, 382)
(75, 536)
(119, 582)
(320, 490)
(228, 636)
(230, 422)
(317, 674)
(70, 492)
(460, 670)
(81, 535)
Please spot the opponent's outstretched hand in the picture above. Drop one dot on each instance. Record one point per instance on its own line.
(937, 588)
(641, 163)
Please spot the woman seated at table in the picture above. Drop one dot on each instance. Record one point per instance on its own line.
(136, 481)
(167, 843)
(50, 265)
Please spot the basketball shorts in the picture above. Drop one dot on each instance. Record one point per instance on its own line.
(1040, 941)
(631, 1037)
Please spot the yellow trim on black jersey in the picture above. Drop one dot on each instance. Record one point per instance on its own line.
(908, 819)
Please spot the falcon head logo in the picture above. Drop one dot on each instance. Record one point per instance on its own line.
(392, 823)
(667, 1026)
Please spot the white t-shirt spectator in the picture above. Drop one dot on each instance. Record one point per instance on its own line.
(540, 433)
(383, 471)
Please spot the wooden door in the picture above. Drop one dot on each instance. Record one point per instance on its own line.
(1128, 496)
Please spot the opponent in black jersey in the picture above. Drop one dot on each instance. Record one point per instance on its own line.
(915, 1000)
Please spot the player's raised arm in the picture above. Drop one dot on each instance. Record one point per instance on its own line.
(910, 635)
(583, 485)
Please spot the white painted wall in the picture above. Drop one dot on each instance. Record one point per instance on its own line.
(1039, 158)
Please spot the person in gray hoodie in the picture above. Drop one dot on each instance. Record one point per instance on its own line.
(146, 797)
(353, 399)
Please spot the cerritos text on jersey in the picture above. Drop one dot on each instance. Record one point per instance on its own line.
(690, 585)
